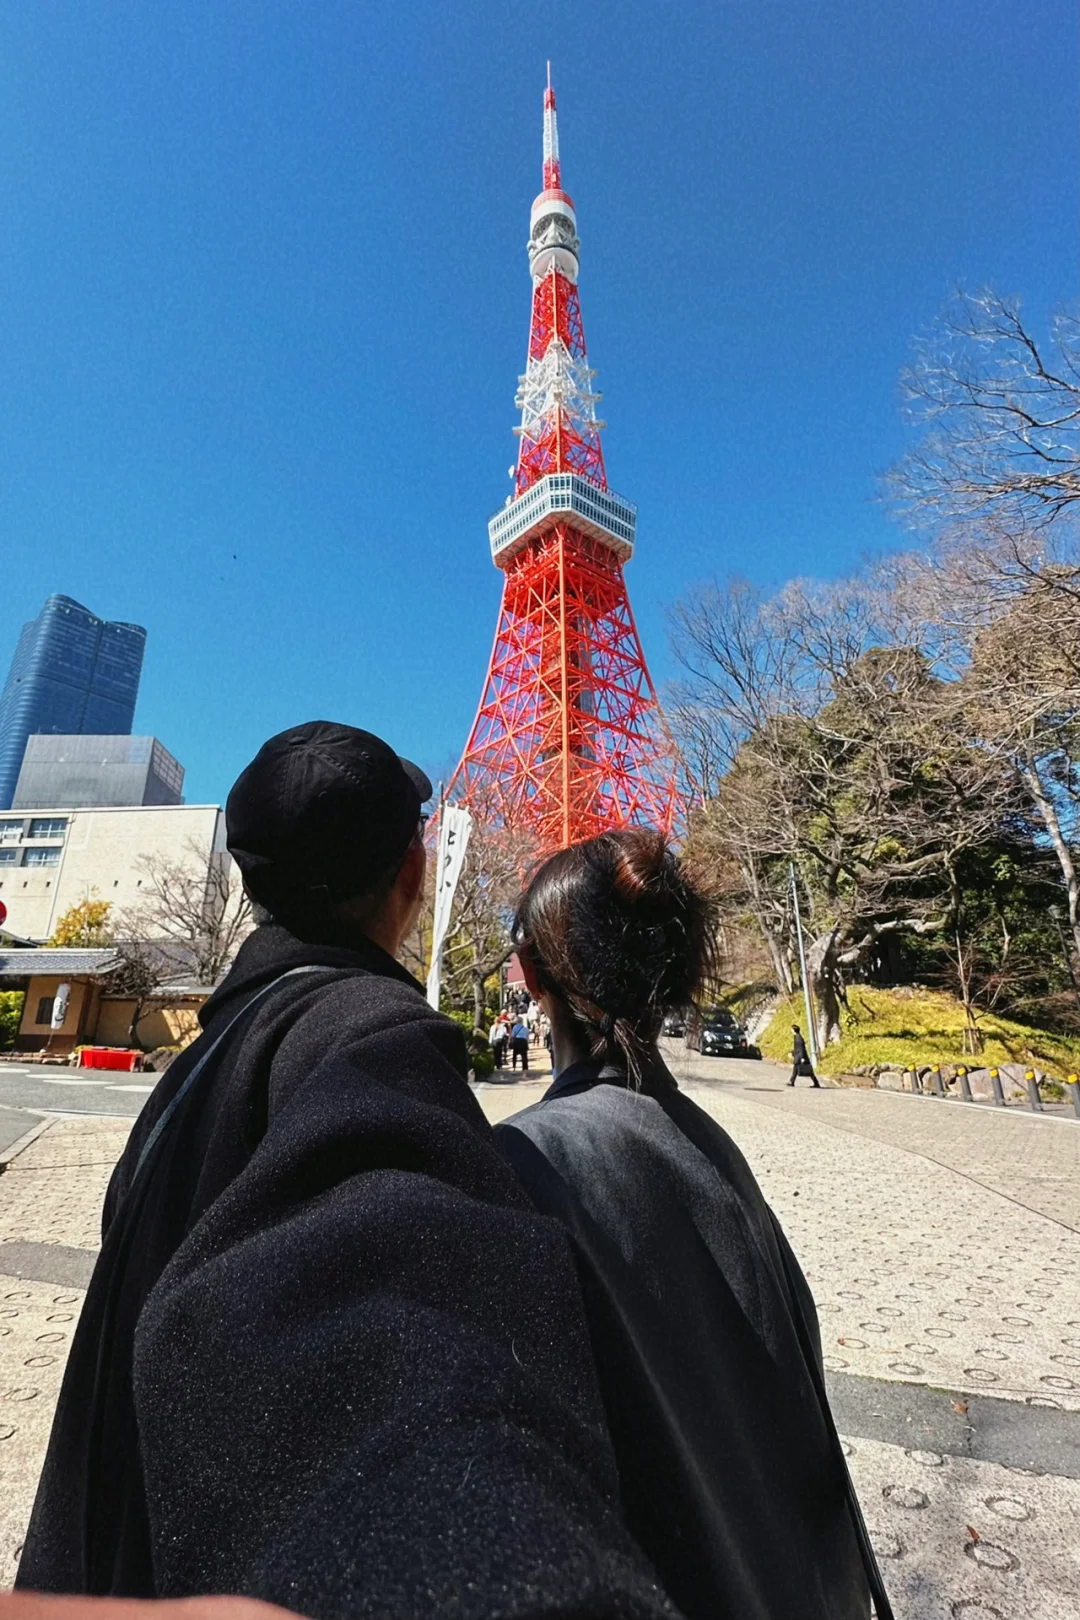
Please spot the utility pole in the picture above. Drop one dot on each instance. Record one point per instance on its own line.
(811, 1032)
(1055, 912)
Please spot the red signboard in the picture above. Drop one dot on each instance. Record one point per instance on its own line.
(3, 914)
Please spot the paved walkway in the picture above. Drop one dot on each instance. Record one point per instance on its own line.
(50, 1224)
(1031, 1159)
(943, 1246)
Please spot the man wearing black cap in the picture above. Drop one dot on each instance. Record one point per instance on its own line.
(329, 1355)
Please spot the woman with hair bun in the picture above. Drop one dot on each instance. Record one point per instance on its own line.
(704, 1331)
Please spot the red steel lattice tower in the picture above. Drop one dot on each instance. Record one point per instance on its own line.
(569, 740)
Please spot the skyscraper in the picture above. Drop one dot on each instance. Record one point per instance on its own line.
(72, 673)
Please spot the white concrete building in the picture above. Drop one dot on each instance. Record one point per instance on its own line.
(51, 860)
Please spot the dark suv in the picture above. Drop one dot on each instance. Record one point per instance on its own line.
(716, 1034)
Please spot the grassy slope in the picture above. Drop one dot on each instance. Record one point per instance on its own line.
(921, 1027)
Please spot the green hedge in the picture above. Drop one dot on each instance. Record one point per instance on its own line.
(481, 1056)
(11, 1011)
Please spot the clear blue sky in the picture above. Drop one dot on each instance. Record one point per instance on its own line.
(264, 299)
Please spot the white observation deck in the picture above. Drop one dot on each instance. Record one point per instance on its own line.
(596, 512)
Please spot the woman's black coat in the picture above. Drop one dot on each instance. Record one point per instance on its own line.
(730, 1475)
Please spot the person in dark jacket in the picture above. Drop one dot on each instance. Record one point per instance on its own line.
(800, 1058)
(330, 1356)
(703, 1328)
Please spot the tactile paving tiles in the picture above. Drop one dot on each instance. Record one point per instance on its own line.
(920, 1275)
(37, 1321)
(54, 1190)
(75, 1143)
(964, 1540)
(53, 1206)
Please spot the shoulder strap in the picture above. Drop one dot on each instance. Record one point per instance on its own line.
(169, 1111)
(882, 1606)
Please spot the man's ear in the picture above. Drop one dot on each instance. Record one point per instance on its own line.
(413, 868)
(528, 968)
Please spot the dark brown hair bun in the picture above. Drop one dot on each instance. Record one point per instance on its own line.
(617, 930)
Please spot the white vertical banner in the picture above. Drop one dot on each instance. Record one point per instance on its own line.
(60, 1006)
(455, 824)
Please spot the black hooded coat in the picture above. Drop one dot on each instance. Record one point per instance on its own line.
(330, 1356)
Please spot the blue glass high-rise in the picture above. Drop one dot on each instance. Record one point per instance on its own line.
(72, 673)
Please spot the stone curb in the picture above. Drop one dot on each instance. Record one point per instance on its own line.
(24, 1141)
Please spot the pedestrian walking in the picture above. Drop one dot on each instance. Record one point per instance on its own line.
(497, 1041)
(800, 1058)
(519, 1045)
(329, 1355)
(704, 1330)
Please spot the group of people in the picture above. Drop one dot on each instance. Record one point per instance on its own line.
(520, 1025)
(351, 1351)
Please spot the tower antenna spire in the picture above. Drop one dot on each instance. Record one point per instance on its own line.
(552, 170)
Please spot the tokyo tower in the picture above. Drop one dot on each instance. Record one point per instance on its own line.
(569, 740)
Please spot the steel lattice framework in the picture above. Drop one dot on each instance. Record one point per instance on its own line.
(569, 740)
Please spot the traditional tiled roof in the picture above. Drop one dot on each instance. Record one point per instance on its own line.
(77, 964)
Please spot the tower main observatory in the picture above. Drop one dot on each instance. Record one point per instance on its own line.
(569, 740)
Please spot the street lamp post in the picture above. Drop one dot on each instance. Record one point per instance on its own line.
(810, 1030)
(1055, 912)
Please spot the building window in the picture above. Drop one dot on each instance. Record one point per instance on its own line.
(42, 857)
(8, 857)
(11, 832)
(48, 827)
(45, 1010)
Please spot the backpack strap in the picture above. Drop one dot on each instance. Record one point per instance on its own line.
(168, 1113)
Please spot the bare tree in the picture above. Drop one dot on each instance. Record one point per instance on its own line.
(139, 974)
(997, 471)
(1024, 680)
(1001, 413)
(488, 891)
(855, 761)
(196, 902)
(1001, 611)
(886, 731)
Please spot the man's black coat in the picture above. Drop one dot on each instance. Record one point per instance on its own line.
(330, 1356)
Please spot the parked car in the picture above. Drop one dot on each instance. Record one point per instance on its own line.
(674, 1024)
(715, 1033)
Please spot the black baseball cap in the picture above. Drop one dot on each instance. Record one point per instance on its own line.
(322, 809)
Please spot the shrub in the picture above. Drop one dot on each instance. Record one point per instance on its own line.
(481, 1057)
(157, 1061)
(11, 1011)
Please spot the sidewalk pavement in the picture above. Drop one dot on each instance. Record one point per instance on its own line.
(50, 1228)
(942, 1244)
